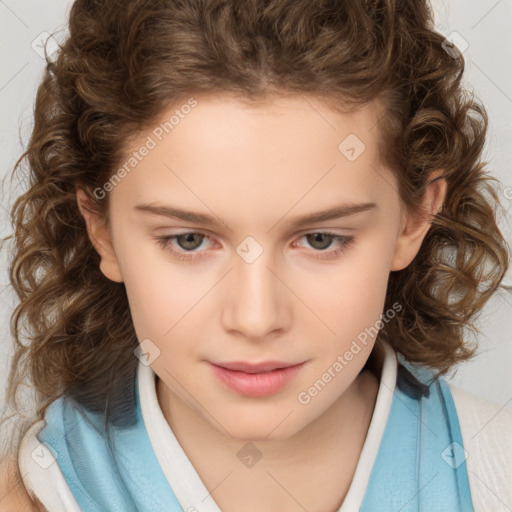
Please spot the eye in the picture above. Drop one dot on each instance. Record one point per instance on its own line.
(189, 242)
(322, 240)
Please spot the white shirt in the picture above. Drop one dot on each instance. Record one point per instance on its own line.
(486, 434)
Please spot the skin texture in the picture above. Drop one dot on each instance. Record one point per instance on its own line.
(13, 495)
(255, 168)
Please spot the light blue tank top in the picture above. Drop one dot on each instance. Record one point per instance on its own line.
(420, 465)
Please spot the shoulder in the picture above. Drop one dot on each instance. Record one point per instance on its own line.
(13, 494)
(485, 428)
(41, 474)
(481, 418)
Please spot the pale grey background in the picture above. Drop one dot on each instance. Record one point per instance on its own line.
(484, 25)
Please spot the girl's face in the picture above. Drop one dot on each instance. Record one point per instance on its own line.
(252, 282)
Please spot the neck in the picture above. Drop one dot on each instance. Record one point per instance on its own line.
(329, 445)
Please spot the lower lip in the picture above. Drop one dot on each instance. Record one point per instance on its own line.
(256, 384)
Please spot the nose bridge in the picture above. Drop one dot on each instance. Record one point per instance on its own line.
(255, 303)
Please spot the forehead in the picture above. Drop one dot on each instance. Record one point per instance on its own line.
(283, 149)
(301, 116)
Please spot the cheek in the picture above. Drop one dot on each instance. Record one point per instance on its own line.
(351, 304)
(168, 298)
(367, 285)
(163, 296)
(351, 297)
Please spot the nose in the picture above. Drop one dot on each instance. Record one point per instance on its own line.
(257, 301)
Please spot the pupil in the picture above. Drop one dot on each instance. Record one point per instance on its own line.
(317, 237)
(189, 238)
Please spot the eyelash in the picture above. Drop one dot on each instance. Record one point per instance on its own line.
(344, 241)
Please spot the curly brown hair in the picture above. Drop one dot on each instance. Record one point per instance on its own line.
(124, 63)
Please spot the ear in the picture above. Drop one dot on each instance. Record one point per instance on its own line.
(414, 226)
(100, 236)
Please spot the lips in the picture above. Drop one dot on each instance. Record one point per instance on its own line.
(256, 379)
(266, 366)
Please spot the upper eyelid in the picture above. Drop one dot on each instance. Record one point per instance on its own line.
(301, 232)
(324, 231)
(327, 232)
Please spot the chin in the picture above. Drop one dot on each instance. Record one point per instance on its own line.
(259, 426)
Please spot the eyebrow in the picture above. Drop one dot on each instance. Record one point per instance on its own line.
(337, 212)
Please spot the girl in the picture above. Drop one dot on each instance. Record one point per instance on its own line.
(254, 236)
